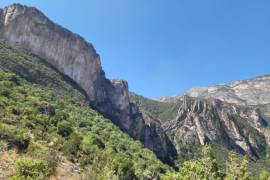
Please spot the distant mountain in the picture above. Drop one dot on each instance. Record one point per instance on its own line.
(254, 91)
(234, 115)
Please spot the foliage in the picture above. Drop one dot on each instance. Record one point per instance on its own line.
(47, 113)
(236, 169)
(44, 115)
(32, 169)
(203, 168)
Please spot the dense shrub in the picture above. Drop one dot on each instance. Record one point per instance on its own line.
(30, 168)
(15, 137)
(72, 145)
(51, 121)
(64, 129)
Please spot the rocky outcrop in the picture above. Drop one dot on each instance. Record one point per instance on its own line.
(28, 28)
(245, 94)
(201, 121)
(190, 122)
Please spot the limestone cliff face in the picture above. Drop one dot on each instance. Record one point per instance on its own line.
(192, 121)
(28, 28)
(252, 94)
(69, 53)
(201, 121)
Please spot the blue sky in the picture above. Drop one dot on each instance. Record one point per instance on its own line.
(166, 47)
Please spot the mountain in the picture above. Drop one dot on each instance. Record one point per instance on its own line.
(61, 118)
(48, 128)
(191, 122)
(27, 28)
(251, 93)
(254, 91)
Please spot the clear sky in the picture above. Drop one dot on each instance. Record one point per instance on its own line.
(164, 47)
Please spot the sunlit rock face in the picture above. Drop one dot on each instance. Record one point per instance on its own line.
(254, 91)
(27, 28)
(202, 121)
(68, 52)
(234, 115)
(236, 124)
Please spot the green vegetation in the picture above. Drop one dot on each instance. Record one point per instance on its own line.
(206, 167)
(42, 112)
(32, 169)
(33, 115)
(46, 117)
(161, 111)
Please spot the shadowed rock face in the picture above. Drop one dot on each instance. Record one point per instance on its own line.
(28, 28)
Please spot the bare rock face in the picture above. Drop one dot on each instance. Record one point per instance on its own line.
(194, 121)
(252, 94)
(69, 53)
(201, 121)
(28, 28)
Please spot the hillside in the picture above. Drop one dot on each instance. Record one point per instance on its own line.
(62, 118)
(28, 28)
(45, 118)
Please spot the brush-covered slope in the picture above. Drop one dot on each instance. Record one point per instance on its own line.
(48, 129)
(71, 55)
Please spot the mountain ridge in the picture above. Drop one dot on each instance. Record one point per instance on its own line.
(234, 91)
(225, 114)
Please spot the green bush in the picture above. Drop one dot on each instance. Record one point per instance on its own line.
(64, 128)
(16, 137)
(123, 168)
(72, 146)
(33, 168)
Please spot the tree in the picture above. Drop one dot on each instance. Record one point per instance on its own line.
(203, 168)
(236, 168)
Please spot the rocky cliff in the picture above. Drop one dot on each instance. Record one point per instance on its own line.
(235, 116)
(201, 121)
(27, 28)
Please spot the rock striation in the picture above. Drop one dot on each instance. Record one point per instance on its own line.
(190, 122)
(27, 28)
(201, 121)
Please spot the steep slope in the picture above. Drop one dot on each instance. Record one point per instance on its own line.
(190, 122)
(212, 121)
(45, 117)
(252, 93)
(70, 54)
